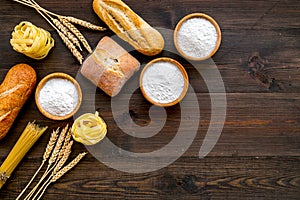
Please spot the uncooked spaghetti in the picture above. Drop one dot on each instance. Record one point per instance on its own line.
(30, 135)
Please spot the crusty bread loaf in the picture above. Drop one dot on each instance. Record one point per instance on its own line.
(14, 91)
(129, 26)
(109, 66)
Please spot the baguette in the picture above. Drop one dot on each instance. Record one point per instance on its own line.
(129, 26)
(109, 66)
(14, 91)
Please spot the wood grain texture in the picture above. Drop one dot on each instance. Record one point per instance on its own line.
(258, 153)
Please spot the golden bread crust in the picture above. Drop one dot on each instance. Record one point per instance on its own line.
(129, 26)
(109, 66)
(14, 91)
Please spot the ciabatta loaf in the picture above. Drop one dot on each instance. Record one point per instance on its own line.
(109, 66)
(129, 26)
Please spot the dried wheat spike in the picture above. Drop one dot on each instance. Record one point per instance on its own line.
(64, 158)
(50, 145)
(67, 33)
(68, 137)
(66, 142)
(72, 47)
(77, 33)
(57, 147)
(64, 170)
(84, 23)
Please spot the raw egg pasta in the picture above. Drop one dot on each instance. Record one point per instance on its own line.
(32, 41)
(89, 129)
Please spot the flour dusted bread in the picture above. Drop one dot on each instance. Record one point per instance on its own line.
(109, 66)
(14, 91)
(129, 26)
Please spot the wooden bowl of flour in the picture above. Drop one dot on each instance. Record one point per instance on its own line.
(58, 96)
(164, 82)
(197, 36)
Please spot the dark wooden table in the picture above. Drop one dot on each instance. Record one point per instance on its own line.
(258, 153)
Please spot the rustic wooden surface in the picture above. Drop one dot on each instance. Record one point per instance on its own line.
(258, 153)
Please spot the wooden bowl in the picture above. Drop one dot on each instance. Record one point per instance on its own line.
(197, 15)
(41, 85)
(183, 72)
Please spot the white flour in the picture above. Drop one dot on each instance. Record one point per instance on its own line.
(197, 37)
(163, 82)
(58, 97)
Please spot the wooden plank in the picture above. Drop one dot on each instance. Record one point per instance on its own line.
(257, 155)
(249, 130)
(190, 178)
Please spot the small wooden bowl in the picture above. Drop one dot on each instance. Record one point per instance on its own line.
(197, 15)
(185, 77)
(41, 85)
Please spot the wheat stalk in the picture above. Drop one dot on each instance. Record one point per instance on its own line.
(64, 38)
(66, 32)
(77, 33)
(51, 160)
(83, 23)
(64, 158)
(57, 153)
(50, 145)
(62, 28)
(65, 144)
(59, 174)
(46, 155)
(66, 151)
(58, 145)
(68, 167)
(71, 47)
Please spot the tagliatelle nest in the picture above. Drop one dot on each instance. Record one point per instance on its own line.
(63, 25)
(32, 41)
(89, 129)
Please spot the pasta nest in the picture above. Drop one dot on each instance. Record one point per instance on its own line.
(31, 41)
(89, 129)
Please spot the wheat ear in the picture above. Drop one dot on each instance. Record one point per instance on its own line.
(50, 145)
(68, 38)
(58, 166)
(71, 46)
(46, 155)
(65, 144)
(67, 138)
(83, 23)
(64, 158)
(77, 33)
(51, 160)
(60, 173)
(58, 146)
(64, 38)
(66, 32)
(68, 167)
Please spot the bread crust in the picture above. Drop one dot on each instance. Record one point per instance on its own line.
(16, 88)
(109, 66)
(129, 26)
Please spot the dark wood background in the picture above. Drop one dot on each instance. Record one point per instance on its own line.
(258, 153)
